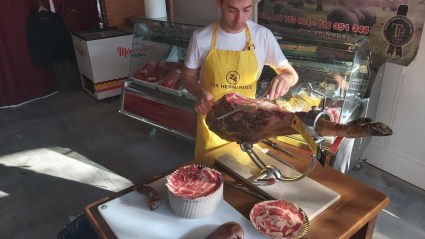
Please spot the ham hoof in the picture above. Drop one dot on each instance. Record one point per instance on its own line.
(374, 129)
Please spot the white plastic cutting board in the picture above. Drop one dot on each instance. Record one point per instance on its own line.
(308, 194)
(129, 217)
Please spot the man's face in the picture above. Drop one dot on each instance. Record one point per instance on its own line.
(235, 14)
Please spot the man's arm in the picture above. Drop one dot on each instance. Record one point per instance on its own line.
(286, 78)
(190, 83)
(286, 75)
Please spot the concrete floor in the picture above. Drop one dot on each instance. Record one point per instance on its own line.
(61, 153)
(404, 217)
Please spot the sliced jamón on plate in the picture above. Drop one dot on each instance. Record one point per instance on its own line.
(192, 182)
(279, 219)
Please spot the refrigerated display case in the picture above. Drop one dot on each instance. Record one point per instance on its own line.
(164, 108)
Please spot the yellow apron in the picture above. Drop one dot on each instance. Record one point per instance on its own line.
(224, 72)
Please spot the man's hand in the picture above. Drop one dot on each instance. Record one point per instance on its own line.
(341, 82)
(278, 87)
(190, 83)
(204, 103)
(286, 78)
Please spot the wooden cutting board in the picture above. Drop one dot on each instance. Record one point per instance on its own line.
(129, 217)
(308, 194)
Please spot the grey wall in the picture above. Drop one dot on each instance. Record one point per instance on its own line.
(199, 9)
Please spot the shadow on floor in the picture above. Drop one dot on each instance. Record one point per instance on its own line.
(35, 205)
(94, 129)
(74, 124)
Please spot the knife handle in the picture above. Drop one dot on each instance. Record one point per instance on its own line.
(271, 143)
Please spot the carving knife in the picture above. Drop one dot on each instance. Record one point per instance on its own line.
(264, 97)
(274, 145)
(232, 112)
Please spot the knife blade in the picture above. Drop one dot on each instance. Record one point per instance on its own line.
(267, 151)
(245, 190)
(276, 146)
(263, 97)
(232, 112)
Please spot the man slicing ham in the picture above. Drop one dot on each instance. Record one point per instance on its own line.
(230, 55)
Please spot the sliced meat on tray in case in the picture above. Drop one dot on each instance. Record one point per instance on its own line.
(148, 72)
(171, 80)
(169, 74)
(154, 71)
(164, 67)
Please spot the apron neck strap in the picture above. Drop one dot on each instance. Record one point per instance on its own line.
(248, 35)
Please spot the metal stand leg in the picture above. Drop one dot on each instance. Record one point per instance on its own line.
(248, 149)
(359, 164)
(269, 172)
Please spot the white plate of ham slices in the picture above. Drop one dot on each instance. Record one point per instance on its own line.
(279, 219)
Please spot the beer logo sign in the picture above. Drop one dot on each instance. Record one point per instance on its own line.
(398, 31)
(233, 77)
(80, 50)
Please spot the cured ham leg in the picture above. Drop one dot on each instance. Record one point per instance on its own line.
(262, 119)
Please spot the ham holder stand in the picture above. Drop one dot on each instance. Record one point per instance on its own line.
(271, 173)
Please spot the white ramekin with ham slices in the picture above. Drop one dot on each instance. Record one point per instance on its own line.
(195, 191)
(279, 219)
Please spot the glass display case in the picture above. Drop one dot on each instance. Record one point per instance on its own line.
(337, 66)
(160, 40)
(339, 69)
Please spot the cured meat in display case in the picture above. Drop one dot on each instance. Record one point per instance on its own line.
(153, 92)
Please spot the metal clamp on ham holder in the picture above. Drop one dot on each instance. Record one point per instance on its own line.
(310, 119)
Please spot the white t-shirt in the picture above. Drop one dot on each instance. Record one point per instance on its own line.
(266, 50)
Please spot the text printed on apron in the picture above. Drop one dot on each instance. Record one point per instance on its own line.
(225, 71)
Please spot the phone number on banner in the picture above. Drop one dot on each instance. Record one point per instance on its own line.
(321, 23)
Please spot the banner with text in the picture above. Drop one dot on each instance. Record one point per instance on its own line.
(394, 27)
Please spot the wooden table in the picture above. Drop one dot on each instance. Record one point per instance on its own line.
(352, 216)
